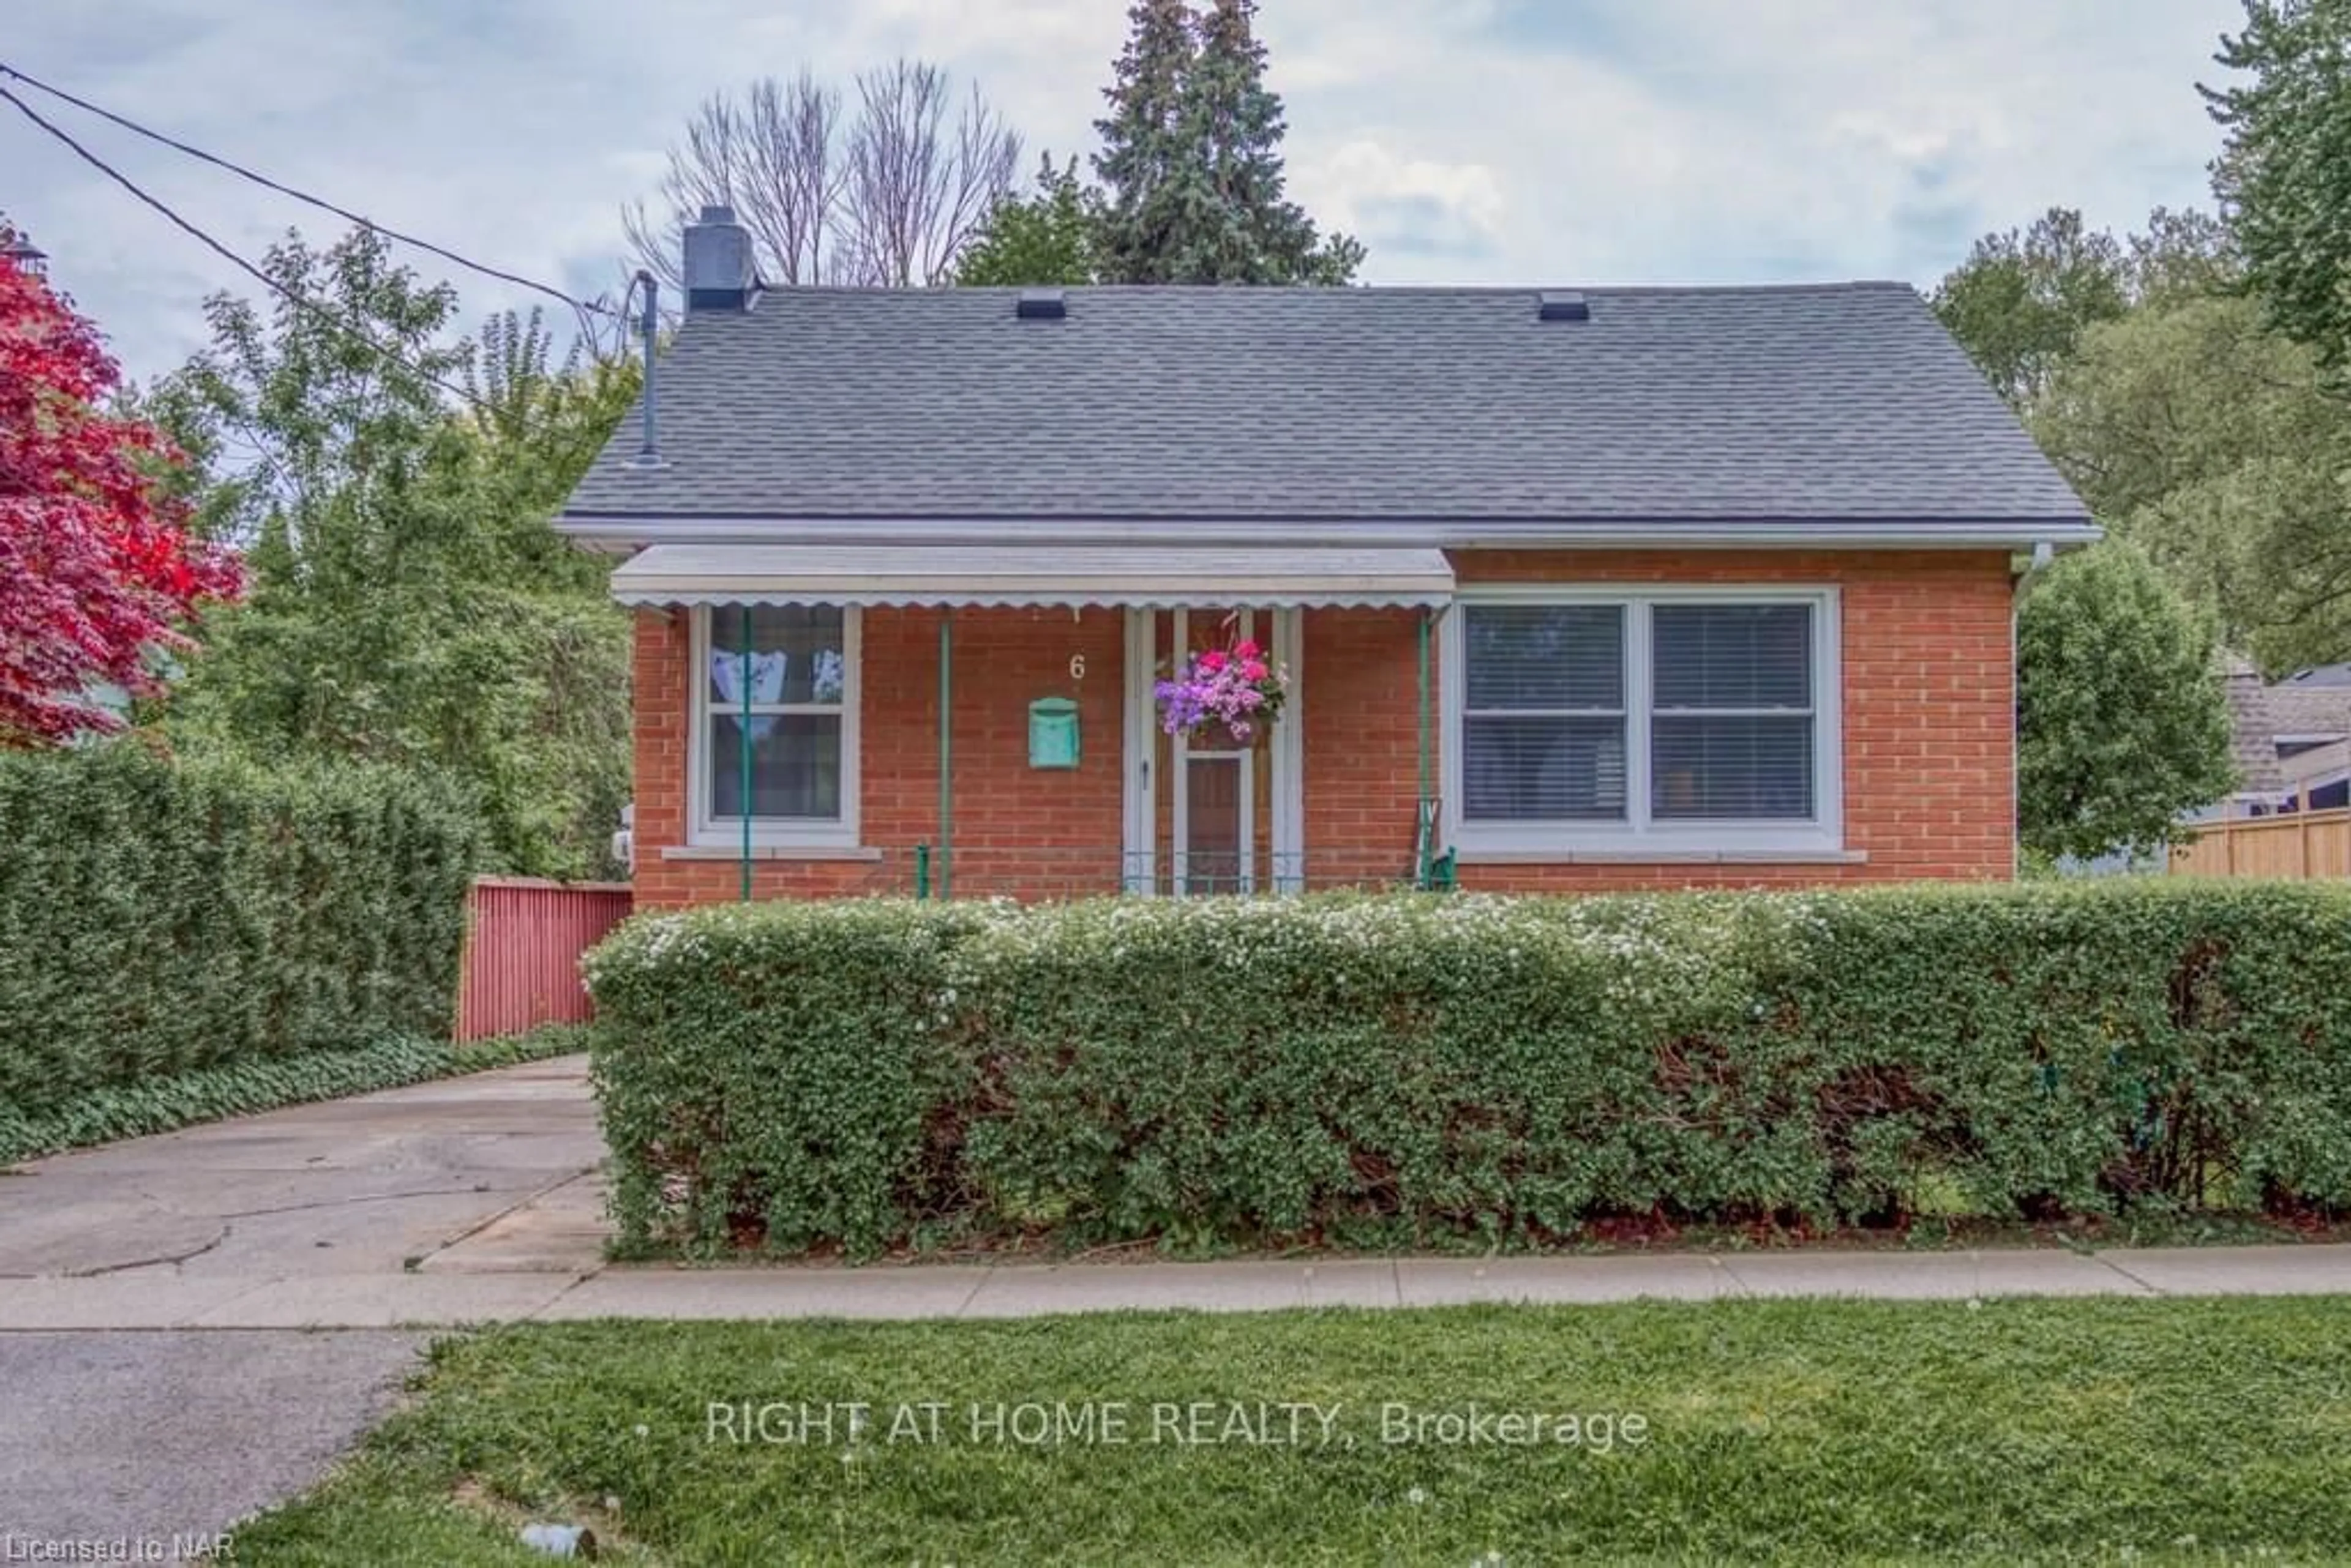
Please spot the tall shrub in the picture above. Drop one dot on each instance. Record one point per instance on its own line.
(157, 918)
(781, 1060)
(1410, 1068)
(2121, 720)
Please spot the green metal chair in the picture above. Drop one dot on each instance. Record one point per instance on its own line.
(1432, 869)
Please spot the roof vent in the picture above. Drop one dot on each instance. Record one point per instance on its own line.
(1041, 305)
(1561, 305)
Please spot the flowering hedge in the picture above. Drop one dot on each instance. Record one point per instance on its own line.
(160, 919)
(1398, 1069)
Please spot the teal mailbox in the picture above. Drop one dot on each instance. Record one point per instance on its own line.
(1053, 733)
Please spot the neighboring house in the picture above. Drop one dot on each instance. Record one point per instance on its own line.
(1632, 587)
(2291, 740)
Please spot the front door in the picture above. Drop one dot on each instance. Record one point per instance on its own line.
(1204, 813)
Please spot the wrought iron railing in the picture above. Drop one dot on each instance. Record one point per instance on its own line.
(985, 867)
(1031, 872)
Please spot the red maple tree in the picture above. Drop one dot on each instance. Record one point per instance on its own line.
(97, 567)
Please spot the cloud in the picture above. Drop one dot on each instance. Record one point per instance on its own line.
(1465, 141)
(1414, 206)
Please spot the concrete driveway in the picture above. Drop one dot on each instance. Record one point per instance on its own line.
(287, 1229)
(304, 1217)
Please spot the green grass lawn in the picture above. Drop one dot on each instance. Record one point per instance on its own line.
(1797, 1431)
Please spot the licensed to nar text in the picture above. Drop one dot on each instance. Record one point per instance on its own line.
(199, 1548)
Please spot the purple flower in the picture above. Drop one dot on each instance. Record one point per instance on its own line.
(1240, 693)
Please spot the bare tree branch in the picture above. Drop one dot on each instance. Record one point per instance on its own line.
(986, 150)
(889, 198)
(791, 163)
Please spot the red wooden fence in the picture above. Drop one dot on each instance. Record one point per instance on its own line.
(523, 941)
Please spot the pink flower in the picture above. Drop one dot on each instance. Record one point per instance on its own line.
(1253, 670)
(1212, 661)
(1245, 649)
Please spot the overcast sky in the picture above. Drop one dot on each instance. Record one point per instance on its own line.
(1538, 141)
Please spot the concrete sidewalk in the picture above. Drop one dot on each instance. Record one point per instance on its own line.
(476, 1200)
(342, 1300)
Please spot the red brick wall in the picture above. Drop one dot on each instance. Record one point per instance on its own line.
(1358, 698)
(1016, 829)
(1927, 736)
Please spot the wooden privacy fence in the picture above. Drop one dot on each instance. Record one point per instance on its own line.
(523, 941)
(2301, 846)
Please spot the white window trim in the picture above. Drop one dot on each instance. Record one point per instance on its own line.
(1824, 834)
(707, 831)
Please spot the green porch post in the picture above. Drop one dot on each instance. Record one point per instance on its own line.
(946, 793)
(1423, 846)
(1423, 704)
(743, 743)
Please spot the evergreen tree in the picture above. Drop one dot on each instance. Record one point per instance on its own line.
(2283, 176)
(1143, 160)
(1191, 159)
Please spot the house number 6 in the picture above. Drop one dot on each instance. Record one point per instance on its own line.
(1077, 666)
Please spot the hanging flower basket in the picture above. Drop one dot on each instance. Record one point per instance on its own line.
(1235, 689)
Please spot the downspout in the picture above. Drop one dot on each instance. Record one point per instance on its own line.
(1423, 689)
(1423, 851)
(2043, 553)
(946, 792)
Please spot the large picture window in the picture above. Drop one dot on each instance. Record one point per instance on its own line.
(779, 681)
(1656, 721)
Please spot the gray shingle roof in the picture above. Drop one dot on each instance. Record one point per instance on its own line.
(2295, 708)
(1833, 403)
(2312, 706)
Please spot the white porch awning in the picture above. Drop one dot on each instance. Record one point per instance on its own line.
(1137, 575)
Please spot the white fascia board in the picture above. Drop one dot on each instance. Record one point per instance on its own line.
(625, 533)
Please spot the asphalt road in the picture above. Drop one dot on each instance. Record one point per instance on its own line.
(153, 1436)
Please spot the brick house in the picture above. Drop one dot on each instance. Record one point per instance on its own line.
(1634, 587)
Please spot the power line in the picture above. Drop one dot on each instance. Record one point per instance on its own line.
(332, 318)
(320, 202)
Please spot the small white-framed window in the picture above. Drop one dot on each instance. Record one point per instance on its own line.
(1673, 719)
(782, 680)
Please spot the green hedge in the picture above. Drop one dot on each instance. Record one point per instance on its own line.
(1377, 1070)
(158, 919)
